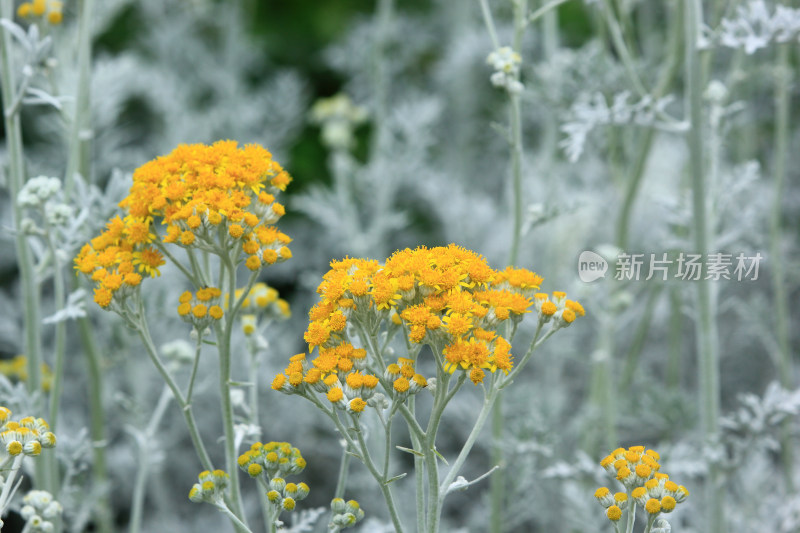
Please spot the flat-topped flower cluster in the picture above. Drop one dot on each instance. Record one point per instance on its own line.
(218, 198)
(446, 297)
(638, 471)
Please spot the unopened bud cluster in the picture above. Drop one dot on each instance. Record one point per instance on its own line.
(272, 462)
(506, 62)
(42, 195)
(39, 511)
(345, 514)
(210, 487)
(26, 436)
(338, 117)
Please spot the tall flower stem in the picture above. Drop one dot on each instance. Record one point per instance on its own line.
(79, 162)
(602, 373)
(224, 349)
(707, 342)
(25, 261)
(497, 482)
(60, 334)
(141, 327)
(137, 501)
(51, 461)
(781, 314)
(96, 424)
(79, 156)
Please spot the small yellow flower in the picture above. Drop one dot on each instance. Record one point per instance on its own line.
(614, 513)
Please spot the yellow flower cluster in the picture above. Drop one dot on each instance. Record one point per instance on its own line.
(638, 470)
(210, 487)
(24, 436)
(261, 300)
(200, 308)
(17, 370)
(338, 373)
(447, 297)
(404, 378)
(217, 198)
(271, 462)
(51, 9)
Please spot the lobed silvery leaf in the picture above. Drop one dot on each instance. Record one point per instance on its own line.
(18, 33)
(40, 97)
(75, 307)
(754, 27)
(304, 521)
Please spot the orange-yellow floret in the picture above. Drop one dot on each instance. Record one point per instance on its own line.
(186, 190)
(653, 506)
(335, 394)
(614, 513)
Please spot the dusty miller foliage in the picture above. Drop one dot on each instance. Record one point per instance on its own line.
(431, 167)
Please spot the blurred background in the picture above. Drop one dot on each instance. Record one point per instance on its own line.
(385, 115)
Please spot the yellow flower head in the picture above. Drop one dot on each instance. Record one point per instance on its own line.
(192, 191)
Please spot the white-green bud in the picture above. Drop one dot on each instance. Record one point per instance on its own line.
(338, 506)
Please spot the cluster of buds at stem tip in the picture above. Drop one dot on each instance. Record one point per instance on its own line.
(272, 462)
(506, 62)
(637, 470)
(210, 487)
(338, 117)
(345, 514)
(39, 511)
(26, 436)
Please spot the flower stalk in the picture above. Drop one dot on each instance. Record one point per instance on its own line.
(707, 342)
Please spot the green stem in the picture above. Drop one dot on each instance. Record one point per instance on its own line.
(782, 312)
(344, 467)
(224, 349)
(650, 520)
(50, 463)
(186, 272)
(639, 338)
(8, 482)
(621, 48)
(16, 168)
(255, 364)
(675, 339)
(266, 507)
(547, 9)
(370, 464)
(429, 451)
(97, 430)
(706, 324)
(79, 156)
(238, 524)
(486, 409)
(419, 471)
(383, 18)
(195, 364)
(143, 470)
(631, 516)
(497, 482)
(60, 335)
(143, 330)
